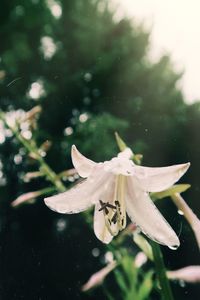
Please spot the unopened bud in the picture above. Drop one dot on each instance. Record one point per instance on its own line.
(25, 198)
(140, 259)
(190, 274)
(97, 278)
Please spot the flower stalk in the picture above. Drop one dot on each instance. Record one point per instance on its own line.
(33, 150)
(165, 289)
(188, 214)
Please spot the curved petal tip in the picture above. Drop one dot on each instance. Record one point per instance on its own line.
(83, 165)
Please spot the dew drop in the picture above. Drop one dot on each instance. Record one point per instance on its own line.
(182, 283)
(173, 247)
(61, 225)
(95, 252)
(180, 212)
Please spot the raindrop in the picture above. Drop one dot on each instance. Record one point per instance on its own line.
(87, 77)
(17, 159)
(61, 225)
(71, 178)
(22, 151)
(75, 112)
(95, 252)
(76, 176)
(86, 100)
(180, 212)
(182, 283)
(173, 247)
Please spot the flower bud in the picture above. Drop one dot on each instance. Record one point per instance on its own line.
(98, 277)
(190, 274)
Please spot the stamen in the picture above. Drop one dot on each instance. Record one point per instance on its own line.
(114, 218)
(117, 203)
(104, 206)
(120, 203)
(115, 214)
(111, 206)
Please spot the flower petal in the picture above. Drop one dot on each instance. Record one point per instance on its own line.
(81, 197)
(104, 227)
(100, 228)
(125, 154)
(145, 214)
(83, 165)
(159, 179)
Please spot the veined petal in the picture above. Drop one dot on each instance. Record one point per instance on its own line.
(80, 197)
(83, 165)
(159, 179)
(143, 212)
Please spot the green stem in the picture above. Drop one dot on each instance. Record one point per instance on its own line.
(32, 148)
(165, 289)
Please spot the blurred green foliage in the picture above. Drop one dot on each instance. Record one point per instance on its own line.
(93, 77)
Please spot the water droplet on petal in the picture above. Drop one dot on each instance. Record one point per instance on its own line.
(180, 212)
(173, 247)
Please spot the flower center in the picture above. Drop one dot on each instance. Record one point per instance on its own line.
(114, 210)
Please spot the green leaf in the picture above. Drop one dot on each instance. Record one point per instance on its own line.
(143, 244)
(120, 280)
(145, 287)
(177, 188)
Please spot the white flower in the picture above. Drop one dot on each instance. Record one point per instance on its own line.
(116, 187)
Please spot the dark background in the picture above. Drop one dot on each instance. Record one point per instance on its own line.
(100, 68)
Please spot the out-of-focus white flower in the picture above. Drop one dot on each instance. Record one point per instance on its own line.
(98, 277)
(116, 187)
(189, 274)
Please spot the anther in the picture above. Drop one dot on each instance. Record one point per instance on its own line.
(114, 218)
(105, 205)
